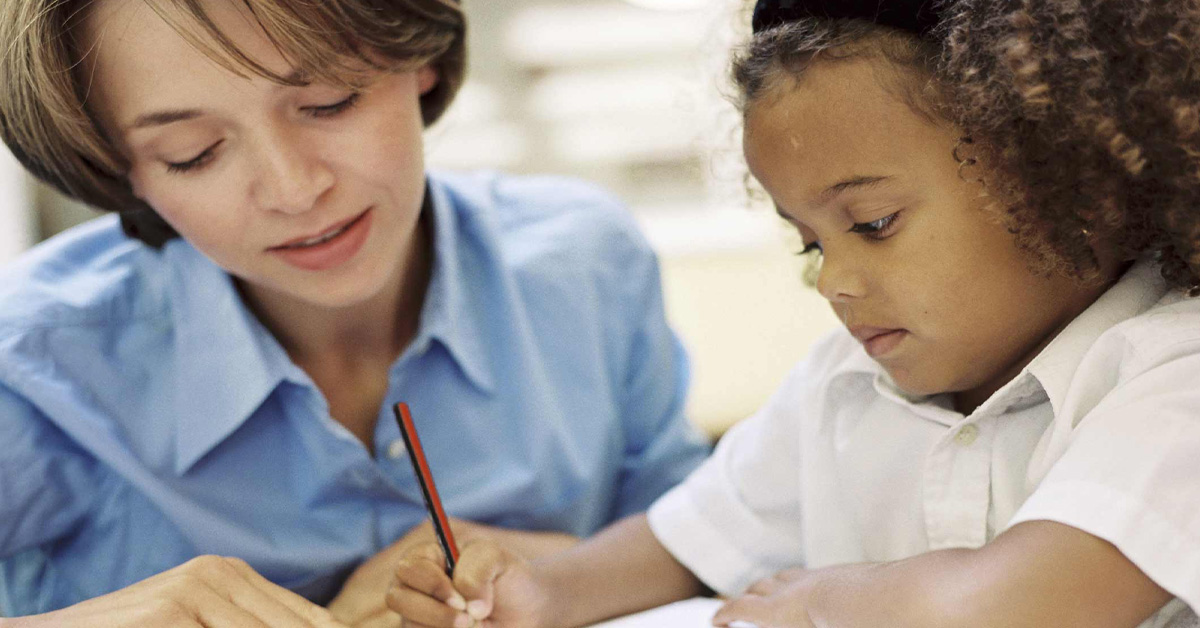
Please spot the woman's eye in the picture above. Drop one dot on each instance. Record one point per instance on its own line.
(327, 111)
(196, 163)
(878, 229)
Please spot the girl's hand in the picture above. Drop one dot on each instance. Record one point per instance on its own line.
(492, 588)
(362, 601)
(209, 591)
(780, 601)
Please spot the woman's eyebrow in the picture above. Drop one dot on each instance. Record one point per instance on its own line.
(297, 78)
(162, 118)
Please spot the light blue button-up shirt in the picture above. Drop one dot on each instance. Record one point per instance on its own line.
(147, 417)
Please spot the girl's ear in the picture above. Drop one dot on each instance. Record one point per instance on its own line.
(427, 79)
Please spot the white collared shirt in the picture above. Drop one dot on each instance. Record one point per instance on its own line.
(1101, 431)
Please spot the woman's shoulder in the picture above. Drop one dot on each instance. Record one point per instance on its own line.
(545, 211)
(88, 276)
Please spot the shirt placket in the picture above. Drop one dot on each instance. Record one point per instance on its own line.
(957, 481)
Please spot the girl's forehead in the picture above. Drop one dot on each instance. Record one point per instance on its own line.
(835, 118)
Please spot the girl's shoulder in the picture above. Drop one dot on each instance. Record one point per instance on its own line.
(1168, 330)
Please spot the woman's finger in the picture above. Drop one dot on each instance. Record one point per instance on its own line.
(278, 606)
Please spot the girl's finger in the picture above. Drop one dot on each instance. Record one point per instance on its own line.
(747, 608)
(475, 574)
(423, 571)
(419, 608)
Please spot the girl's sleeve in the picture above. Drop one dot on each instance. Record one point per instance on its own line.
(1129, 473)
(737, 519)
(46, 481)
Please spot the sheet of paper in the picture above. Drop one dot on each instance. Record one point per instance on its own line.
(693, 613)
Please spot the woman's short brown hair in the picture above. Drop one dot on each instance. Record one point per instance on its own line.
(44, 115)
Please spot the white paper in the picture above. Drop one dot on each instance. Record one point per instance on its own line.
(693, 613)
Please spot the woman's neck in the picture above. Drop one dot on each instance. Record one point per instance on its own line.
(374, 331)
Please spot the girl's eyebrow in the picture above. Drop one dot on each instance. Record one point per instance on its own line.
(855, 183)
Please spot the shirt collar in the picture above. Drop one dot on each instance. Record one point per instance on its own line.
(1138, 289)
(463, 284)
(227, 363)
(1051, 371)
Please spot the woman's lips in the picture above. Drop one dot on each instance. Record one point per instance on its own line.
(333, 248)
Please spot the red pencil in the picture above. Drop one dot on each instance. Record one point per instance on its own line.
(433, 503)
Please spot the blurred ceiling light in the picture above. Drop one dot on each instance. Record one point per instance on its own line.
(668, 5)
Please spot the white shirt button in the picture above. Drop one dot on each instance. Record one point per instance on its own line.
(397, 449)
(967, 435)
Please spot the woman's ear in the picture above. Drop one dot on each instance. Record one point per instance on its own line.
(427, 79)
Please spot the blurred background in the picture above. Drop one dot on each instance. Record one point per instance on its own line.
(630, 94)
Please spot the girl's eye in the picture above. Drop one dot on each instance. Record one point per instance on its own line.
(196, 163)
(811, 247)
(878, 229)
(328, 111)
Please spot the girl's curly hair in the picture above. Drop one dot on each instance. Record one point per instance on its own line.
(1085, 112)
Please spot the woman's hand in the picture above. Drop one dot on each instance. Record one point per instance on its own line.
(492, 587)
(780, 601)
(209, 591)
(361, 602)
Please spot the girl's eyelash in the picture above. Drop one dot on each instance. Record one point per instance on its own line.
(874, 230)
(199, 161)
(324, 111)
(877, 229)
(327, 111)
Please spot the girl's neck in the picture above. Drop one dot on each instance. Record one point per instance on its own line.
(375, 331)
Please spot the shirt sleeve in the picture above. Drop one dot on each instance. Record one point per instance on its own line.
(661, 445)
(46, 481)
(737, 519)
(1131, 475)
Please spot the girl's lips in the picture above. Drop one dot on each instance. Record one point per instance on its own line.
(878, 341)
(330, 253)
(882, 344)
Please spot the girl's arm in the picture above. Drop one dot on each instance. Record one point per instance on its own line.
(1036, 574)
(620, 570)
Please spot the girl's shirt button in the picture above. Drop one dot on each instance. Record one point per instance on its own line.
(967, 435)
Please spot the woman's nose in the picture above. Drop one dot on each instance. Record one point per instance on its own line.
(291, 174)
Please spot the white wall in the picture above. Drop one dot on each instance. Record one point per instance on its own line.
(16, 222)
(735, 295)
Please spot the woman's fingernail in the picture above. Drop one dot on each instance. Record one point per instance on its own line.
(477, 609)
(457, 602)
(463, 621)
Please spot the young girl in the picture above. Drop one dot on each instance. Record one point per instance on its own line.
(220, 385)
(1004, 196)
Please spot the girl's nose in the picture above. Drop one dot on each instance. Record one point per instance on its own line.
(840, 280)
(291, 175)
